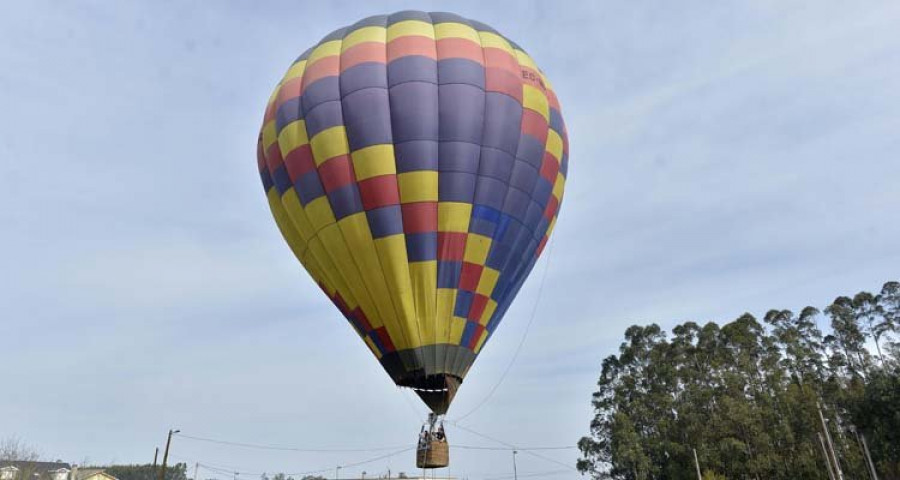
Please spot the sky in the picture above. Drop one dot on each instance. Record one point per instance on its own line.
(726, 157)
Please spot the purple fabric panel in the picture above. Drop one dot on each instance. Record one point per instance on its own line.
(385, 221)
(556, 121)
(421, 247)
(531, 150)
(459, 157)
(448, 274)
(373, 21)
(542, 191)
(323, 90)
(408, 15)
(523, 176)
(533, 216)
(461, 113)
(367, 117)
(288, 112)
(516, 203)
(325, 115)
(414, 111)
(443, 17)
(416, 155)
(496, 164)
(412, 68)
(564, 165)
(456, 187)
(309, 187)
(490, 192)
(502, 122)
(345, 201)
(364, 75)
(460, 70)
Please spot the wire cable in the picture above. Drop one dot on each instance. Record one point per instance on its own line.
(285, 448)
(514, 447)
(515, 356)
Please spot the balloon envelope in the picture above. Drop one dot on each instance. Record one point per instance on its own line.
(415, 164)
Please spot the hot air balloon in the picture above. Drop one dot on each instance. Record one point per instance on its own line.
(415, 164)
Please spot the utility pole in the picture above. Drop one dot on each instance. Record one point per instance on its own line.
(337, 472)
(827, 458)
(697, 464)
(196, 469)
(868, 456)
(515, 473)
(837, 463)
(155, 454)
(162, 471)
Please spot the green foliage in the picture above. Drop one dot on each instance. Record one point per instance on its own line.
(746, 395)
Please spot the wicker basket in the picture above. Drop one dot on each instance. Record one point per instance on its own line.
(436, 454)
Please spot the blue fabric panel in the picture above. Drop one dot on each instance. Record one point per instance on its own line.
(367, 117)
(421, 246)
(345, 201)
(325, 115)
(502, 122)
(456, 187)
(412, 68)
(385, 221)
(448, 274)
(416, 155)
(460, 70)
(309, 187)
(461, 113)
(459, 157)
(414, 111)
(364, 75)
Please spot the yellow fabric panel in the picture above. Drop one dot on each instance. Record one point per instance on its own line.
(330, 272)
(457, 325)
(489, 310)
(558, 186)
(355, 229)
(455, 30)
(374, 161)
(343, 259)
(292, 204)
(372, 347)
(552, 225)
(535, 99)
(477, 247)
(492, 40)
(424, 282)
(293, 135)
(410, 27)
(454, 216)
(329, 143)
(424, 279)
(525, 60)
(293, 239)
(295, 71)
(480, 342)
(323, 50)
(319, 213)
(362, 35)
(554, 144)
(269, 135)
(418, 186)
(446, 301)
(394, 265)
(487, 281)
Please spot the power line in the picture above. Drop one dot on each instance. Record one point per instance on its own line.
(507, 449)
(513, 447)
(527, 475)
(515, 356)
(286, 448)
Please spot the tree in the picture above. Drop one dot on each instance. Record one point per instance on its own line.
(746, 395)
(12, 448)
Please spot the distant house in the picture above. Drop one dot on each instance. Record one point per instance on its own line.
(16, 470)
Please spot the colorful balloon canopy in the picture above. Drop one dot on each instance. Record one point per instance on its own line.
(415, 164)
